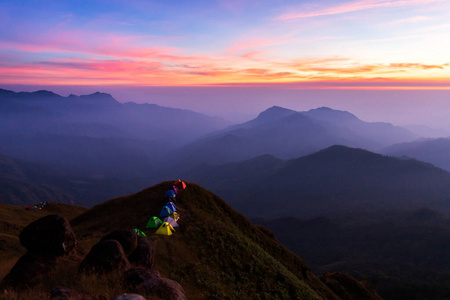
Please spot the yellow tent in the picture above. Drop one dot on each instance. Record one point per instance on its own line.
(175, 216)
(165, 229)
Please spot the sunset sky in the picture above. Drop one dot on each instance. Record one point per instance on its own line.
(324, 44)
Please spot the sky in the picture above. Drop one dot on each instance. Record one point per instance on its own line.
(151, 50)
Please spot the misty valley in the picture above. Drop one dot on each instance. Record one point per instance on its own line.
(368, 199)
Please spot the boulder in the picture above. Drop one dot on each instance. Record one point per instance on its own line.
(129, 297)
(28, 271)
(126, 238)
(104, 257)
(144, 254)
(63, 293)
(137, 275)
(51, 236)
(163, 288)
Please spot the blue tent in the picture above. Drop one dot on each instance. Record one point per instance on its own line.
(172, 206)
(165, 212)
(170, 193)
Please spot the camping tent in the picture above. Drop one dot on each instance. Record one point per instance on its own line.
(180, 184)
(139, 232)
(165, 229)
(154, 222)
(170, 194)
(165, 212)
(172, 206)
(175, 216)
(175, 189)
(171, 222)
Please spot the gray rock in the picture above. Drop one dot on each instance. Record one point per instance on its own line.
(129, 297)
(137, 275)
(164, 288)
(50, 236)
(28, 271)
(63, 293)
(126, 238)
(144, 254)
(104, 257)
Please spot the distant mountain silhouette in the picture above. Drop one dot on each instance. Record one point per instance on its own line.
(44, 111)
(435, 151)
(427, 132)
(95, 135)
(287, 134)
(333, 180)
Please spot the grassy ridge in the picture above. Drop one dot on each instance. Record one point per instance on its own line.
(216, 252)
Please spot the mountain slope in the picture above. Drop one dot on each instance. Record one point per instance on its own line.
(217, 251)
(333, 180)
(407, 248)
(435, 151)
(24, 183)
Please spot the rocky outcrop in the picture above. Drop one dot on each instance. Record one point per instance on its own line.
(28, 271)
(45, 239)
(164, 288)
(144, 254)
(129, 297)
(126, 238)
(137, 275)
(49, 236)
(104, 257)
(63, 293)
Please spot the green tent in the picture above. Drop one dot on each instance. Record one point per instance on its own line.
(139, 232)
(154, 222)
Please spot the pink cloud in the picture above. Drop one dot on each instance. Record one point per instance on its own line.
(114, 45)
(354, 6)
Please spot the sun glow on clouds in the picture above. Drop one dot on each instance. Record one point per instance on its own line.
(288, 48)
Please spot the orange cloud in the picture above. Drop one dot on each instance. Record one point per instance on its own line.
(418, 66)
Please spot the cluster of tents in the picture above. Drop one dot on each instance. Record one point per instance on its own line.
(168, 213)
(37, 206)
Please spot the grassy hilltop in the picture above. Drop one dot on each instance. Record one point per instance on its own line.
(216, 252)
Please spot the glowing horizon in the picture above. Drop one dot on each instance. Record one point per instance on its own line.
(235, 42)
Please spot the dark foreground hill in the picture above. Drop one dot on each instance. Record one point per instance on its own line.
(216, 253)
(403, 254)
(333, 180)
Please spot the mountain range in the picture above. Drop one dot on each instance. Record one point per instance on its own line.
(432, 150)
(312, 177)
(288, 134)
(95, 136)
(332, 180)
